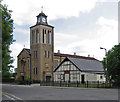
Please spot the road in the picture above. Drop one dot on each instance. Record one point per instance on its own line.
(36, 92)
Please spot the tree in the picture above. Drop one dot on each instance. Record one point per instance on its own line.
(113, 64)
(7, 39)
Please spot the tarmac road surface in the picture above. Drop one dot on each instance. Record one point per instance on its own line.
(37, 92)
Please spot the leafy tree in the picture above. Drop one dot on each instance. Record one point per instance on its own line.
(113, 64)
(15, 70)
(7, 38)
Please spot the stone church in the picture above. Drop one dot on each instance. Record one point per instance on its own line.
(40, 61)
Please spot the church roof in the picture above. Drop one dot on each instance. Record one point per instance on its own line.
(28, 50)
(42, 24)
(64, 55)
(25, 49)
(73, 56)
(85, 65)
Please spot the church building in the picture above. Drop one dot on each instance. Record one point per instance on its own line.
(40, 62)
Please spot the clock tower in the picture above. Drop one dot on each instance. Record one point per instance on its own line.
(42, 49)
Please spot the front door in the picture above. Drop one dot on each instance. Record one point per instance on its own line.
(22, 78)
(48, 78)
(82, 79)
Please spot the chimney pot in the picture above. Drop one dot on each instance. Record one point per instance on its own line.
(58, 51)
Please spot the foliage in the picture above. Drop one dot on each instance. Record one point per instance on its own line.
(113, 64)
(27, 79)
(15, 70)
(7, 38)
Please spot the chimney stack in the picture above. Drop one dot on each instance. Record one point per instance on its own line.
(58, 51)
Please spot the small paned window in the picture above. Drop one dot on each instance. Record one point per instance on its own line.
(101, 77)
(62, 76)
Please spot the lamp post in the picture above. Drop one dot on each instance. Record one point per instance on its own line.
(106, 65)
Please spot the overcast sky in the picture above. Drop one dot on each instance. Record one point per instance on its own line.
(81, 26)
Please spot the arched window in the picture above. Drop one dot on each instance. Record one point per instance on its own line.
(45, 53)
(37, 33)
(50, 37)
(36, 70)
(33, 37)
(48, 54)
(45, 37)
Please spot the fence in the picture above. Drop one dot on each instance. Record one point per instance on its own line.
(86, 84)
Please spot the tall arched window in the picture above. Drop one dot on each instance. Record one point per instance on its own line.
(45, 37)
(50, 37)
(37, 33)
(33, 37)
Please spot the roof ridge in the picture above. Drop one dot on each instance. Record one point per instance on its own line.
(74, 56)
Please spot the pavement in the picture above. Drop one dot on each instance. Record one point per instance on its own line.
(37, 92)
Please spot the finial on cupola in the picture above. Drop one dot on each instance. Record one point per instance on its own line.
(41, 9)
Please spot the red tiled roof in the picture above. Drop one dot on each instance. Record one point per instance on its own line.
(74, 56)
(67, 55)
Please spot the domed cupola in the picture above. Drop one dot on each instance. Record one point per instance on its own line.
(42, 18)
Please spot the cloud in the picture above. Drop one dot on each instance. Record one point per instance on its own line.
(108, 31)
(106, 22)
(24, 11)
(106, 36)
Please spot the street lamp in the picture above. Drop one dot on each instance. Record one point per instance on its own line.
(105, 63)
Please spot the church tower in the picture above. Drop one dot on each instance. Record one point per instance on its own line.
(42, 49)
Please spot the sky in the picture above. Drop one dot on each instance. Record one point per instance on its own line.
(81, 26)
